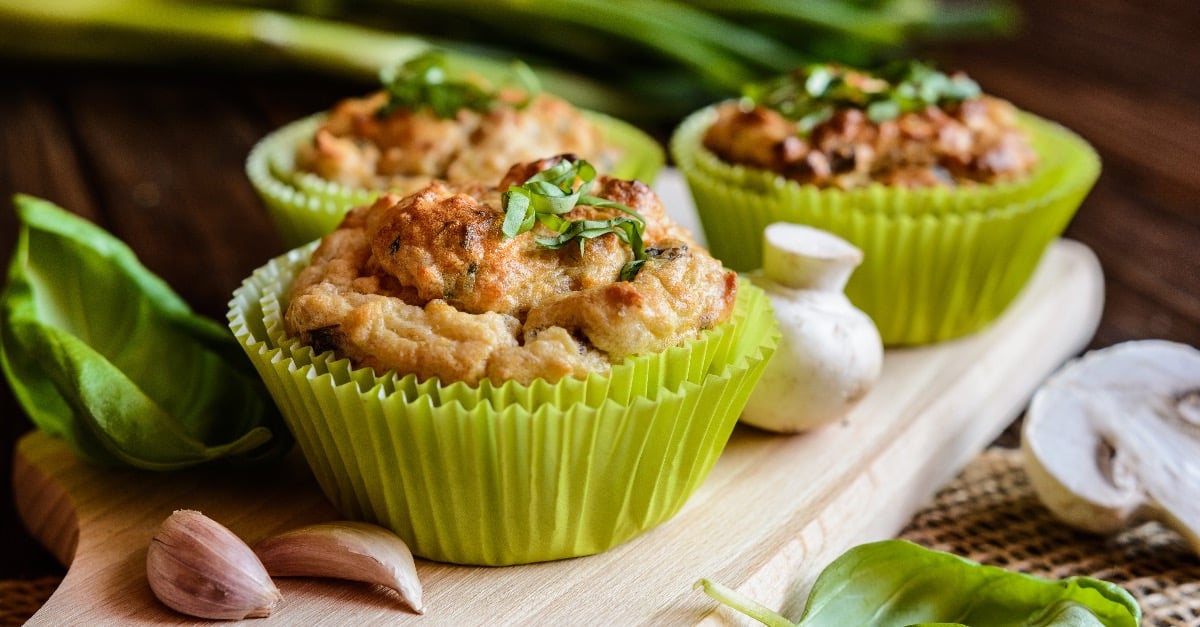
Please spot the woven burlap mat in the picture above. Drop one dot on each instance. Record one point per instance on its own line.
(989, 514)
(20, 598)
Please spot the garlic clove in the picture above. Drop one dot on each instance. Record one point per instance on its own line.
(198, 567)
(351, 550)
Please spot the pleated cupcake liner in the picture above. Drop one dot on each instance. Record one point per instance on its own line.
(487, 487)
(506, 476)
(928, 275)
(303, 206)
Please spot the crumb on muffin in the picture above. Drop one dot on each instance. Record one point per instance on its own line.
(430, 284)
(907, 126)
(408, 133)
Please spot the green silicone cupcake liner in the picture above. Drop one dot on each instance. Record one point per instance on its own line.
(497, 483)
(927, 275)
(304, 206)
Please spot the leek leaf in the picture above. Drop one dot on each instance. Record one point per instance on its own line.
(101, 352)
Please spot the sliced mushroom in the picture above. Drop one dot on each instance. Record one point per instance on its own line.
(1113, 439)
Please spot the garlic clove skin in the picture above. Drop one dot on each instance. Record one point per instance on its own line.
(356, 551)
(198, 567)
(830, 353)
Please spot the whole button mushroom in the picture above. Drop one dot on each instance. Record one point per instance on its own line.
(1113, 439)
(830, 353)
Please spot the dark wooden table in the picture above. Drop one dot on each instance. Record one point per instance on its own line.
(155, 157)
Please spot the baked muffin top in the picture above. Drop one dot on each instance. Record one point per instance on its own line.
(517, 281)
(906, 125)
(424, 125)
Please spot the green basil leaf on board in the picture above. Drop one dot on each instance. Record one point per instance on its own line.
(101, 352)
(896, 582)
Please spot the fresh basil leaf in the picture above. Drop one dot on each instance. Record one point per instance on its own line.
(818, 81)
(631, 268)
(423, 82)
(910, 584)
(883, 110)
(546, 188)
(813, 119)
(551, 193)
(518, 212)
(811, 95)
(896, 582)
(584, 230)
(565, 172)
(631, 233)
(595, 201)
(554, 222)
(552, 201)
(101, 352)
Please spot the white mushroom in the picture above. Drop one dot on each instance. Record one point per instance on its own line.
(1113, 438)
(830, 353)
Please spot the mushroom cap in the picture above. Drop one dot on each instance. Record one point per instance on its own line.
(1113, 438)
(807, 258)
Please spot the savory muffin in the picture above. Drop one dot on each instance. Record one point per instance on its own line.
(431, 284)
(429, 121)
(372, 143)
(534, 288)
(839, 136)
(952, 194)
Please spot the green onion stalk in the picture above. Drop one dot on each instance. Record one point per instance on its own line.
(183, 33)
(644, 60)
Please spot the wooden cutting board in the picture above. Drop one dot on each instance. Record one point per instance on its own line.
(773, 512)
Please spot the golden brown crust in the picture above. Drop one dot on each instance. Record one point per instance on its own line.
(428, 284)
(976, 141)
(678, 293)
(404, 150)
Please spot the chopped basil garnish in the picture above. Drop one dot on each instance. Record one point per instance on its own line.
(811, 95)
(549, 194)
(425, 82)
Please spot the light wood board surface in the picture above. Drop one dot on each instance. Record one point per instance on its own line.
(773, 512)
